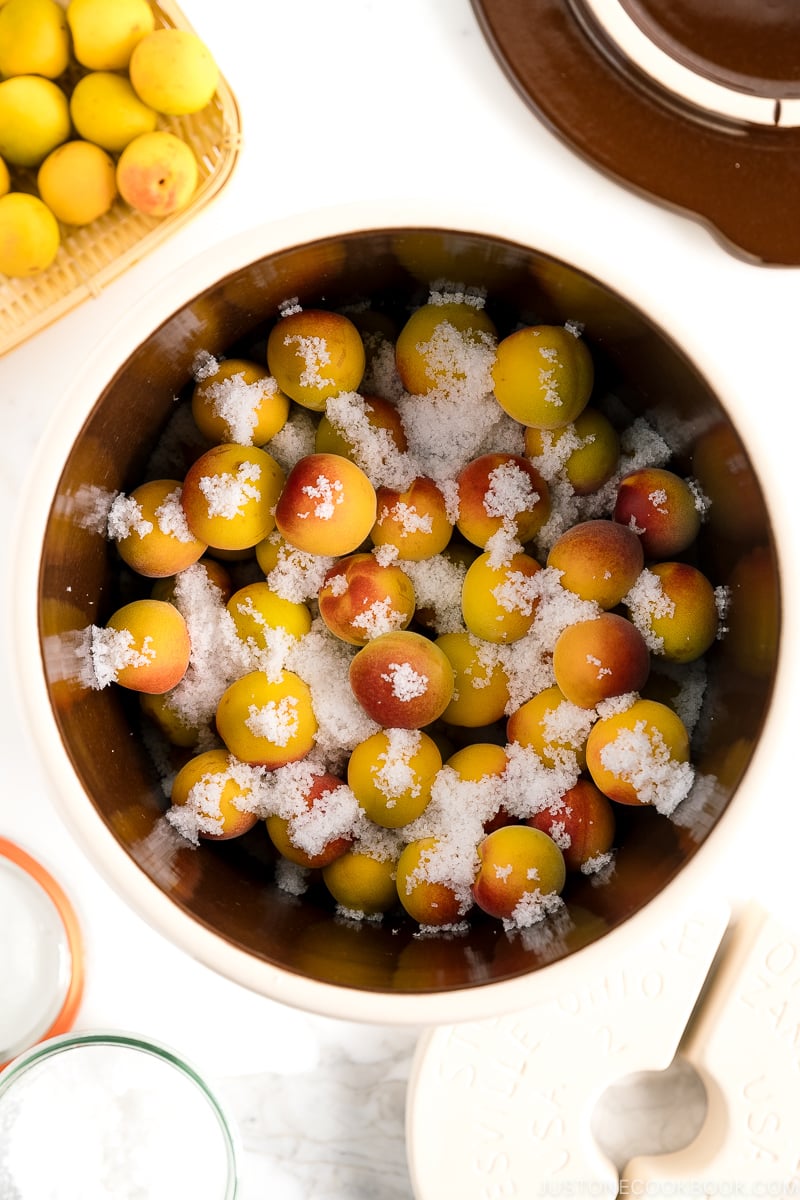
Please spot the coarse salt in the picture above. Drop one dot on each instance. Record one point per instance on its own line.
(445, 862)
(531, 786)
(277, 722)
(118, 1122)
(659, 500)
(315, 355)
(171, 518)
(379, 617)
(217, 655)
(294, 440)
(406, 517)
(373, 447)
(641, 758)
(297, 575)
(323, 662)
(237, 403)
(532, 907)
(445, 291)
(327, 495)
(204, 365)
(227, 494)
(125, 517)
(598, 863)
(510, 492)
(395, 776)
(645, 602)
(406, 683)
(114, 649)
(381, 377)
(518, 592)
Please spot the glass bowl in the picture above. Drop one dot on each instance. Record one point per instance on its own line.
(97, 1114)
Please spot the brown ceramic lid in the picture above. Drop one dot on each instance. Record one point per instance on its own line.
(753, 45)
(706, 119)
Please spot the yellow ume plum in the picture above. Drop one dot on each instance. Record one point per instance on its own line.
(361, 883)
(267, 722)
(157, 173)
(641, 756)
(430, 900)
(173, 71)
(663, 509)
(78, 182)
(582, 824)
(152, 649)
(552, 726)
(283, 832)
(478, 760)
(207, 783)
(229, 496)
(106, 110)
(414, 521)
(314, 355)
(256, 610)
(682, 618)
(480, 694)
(29, 235)
(521, 871)
(239, 402)
(391, 774)
(153, 538)
(599, 560)
(380, 415)
(402, 680)
(596, 452)
(499, 603)
(33, 39)
(327, 505)
(501, 491)
(543, 376)
(598, 658)
(432, 349)
(104, 34)
(34, 119)
(360, 599)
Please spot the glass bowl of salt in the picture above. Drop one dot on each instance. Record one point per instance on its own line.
(86, 1116)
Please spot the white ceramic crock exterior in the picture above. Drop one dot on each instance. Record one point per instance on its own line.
(711, 867)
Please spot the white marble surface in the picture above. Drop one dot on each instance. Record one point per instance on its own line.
(347, 101)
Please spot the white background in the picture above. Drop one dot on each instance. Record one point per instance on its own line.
(362, 100)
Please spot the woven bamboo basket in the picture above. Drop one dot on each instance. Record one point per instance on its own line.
(91, 256)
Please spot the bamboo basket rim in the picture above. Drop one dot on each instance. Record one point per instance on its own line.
(92, 256)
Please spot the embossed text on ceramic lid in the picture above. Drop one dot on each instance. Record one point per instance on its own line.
(620, 83)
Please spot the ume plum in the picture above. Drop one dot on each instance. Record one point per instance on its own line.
(602, 657)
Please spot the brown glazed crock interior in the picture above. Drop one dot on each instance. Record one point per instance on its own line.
(228, 887)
